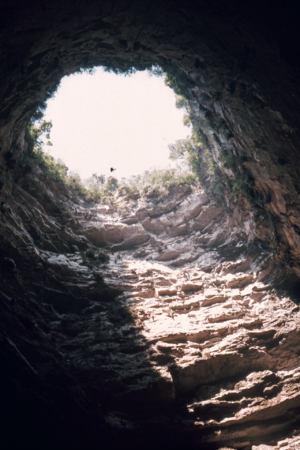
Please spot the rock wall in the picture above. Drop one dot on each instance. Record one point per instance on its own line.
(187, 338)
(239, 63)
(184, 339)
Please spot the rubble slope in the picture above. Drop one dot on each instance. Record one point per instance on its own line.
(185, 337)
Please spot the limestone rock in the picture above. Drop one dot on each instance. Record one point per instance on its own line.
(207, 216)
(191, 287)
(91, 354)
(153, 226)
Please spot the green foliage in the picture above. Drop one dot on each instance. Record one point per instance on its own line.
(120, 314)
(35, 131)
(182, 102)
(181, 149)
(97, 256)
(103, 257)
(157, 180)
(156, 71)
(90, 253)
(243, 183)
(116, 70)
(132, 311)
(98, 189)
(187, 121)
(196, 152)
(178, 81)
(98, 179)
(87, 70)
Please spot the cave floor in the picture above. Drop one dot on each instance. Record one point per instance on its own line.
(184, 332)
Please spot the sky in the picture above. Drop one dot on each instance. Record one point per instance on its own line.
(106, 120)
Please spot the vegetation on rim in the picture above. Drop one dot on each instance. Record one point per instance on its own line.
(98, 189)
(198, 152)
(201, 167)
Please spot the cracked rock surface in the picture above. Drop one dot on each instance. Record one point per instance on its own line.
(180, 338)
(187, 337)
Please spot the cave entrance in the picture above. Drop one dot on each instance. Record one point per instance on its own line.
(239, 63)
(107, 124)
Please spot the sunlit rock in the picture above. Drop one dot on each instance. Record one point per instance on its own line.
(130, 352)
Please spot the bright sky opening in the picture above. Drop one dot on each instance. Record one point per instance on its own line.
(106, 120)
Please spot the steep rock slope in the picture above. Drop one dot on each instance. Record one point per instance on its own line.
(179, 340)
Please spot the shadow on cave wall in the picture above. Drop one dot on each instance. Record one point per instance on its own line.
(239, 53)
(67, 345)
(68, 379)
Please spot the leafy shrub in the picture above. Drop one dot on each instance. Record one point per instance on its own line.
(90, 253)
(197, 152)
(103, 257)
(119, 313)
(94, 190)
(157, 180)
(97, 189)
(178, 81)
(99, 256)
(182, 102)
(243, 183)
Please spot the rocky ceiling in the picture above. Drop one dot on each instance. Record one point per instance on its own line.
(239, 63)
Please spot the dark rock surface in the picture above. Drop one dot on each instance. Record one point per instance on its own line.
(82, 364)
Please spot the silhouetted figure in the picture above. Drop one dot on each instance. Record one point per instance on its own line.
(112, 169)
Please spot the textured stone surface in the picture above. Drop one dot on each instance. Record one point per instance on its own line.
(128, 355)
(199, 353)
(240, 64)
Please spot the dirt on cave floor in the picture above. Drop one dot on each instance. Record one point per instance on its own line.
(187, 336)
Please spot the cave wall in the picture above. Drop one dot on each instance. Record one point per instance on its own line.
(179, 341)
(243, 57)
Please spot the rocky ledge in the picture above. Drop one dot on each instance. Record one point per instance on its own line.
(186, 338)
